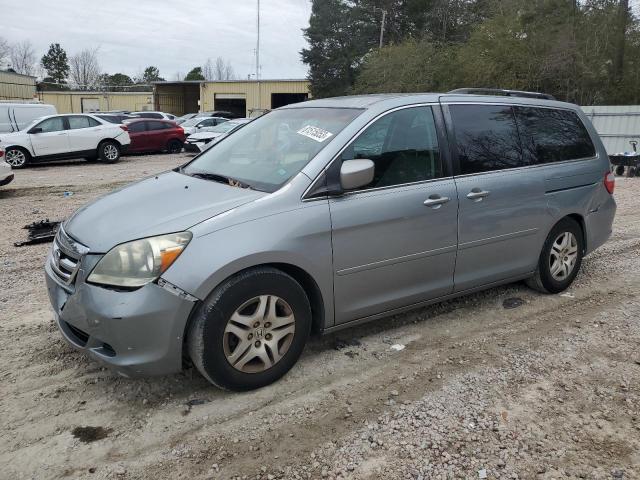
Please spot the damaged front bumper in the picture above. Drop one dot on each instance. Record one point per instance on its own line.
(137, 333)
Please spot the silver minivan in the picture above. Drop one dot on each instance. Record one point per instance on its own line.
(325, 214)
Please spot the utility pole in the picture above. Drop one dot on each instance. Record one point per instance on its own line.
(258, 58)
(623, 23)
(382, 25)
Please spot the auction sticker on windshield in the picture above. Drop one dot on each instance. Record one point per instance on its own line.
(315, 133)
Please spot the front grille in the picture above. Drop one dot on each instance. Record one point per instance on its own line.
(80, 337)
(66, 255)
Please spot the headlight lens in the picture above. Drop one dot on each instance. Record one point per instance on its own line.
(137, 263)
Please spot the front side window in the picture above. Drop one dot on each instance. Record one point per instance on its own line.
(55, 124)
(209, 122)
(486, 137)
(403, 145)
(552, 135)
(77, 122)
(267, 152)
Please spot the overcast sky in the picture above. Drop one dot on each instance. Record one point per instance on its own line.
(174, 35)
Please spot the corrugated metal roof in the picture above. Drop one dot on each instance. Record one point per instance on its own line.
(616, 125)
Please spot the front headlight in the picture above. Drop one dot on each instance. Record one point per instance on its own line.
(137, 263)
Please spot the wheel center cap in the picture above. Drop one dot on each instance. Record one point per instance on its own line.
(259, 333)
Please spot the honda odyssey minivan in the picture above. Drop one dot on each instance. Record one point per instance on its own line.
(325, 214)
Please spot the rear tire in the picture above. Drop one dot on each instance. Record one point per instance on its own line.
(631, 172)
(250, 330)
(619, 170)
(174, 146)
(560, 259)
(109, 151)
(17, 157)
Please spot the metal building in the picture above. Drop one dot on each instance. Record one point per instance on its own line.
(85, 102)
(242, 97)
(617, 125)
(14, 86)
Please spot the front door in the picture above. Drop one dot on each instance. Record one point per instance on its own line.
(53, 138)
(394, 241)
(502, 204)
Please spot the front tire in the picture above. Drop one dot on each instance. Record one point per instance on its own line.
(174, 146)
(17, 157)
(251, 330)
(109, 151)
(560, 259)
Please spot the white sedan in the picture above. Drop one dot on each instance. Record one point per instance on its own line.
(199, 124)
(199, 142)
(58, 137)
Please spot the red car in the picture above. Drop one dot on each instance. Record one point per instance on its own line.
(149, 135)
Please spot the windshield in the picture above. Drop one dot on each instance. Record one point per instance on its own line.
(225, 127)
(191, 122)
(267, 152)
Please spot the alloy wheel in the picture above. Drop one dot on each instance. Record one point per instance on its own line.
(15, 157)
(563, 256)
(259, 334)
(110, 152)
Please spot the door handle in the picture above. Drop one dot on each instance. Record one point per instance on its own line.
(435, 201)
(477, 194)
(59, 134)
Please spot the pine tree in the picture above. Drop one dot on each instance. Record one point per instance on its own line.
(56, 64)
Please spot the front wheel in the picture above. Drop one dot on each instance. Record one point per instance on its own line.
(251, 330)
(174, 146)
(16, 157)
(560, 259)
(109, 152)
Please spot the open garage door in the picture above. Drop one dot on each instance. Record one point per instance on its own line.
(235, 103)
(281, 99)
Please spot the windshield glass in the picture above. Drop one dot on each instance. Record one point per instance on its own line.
(225, 127)
(192, 122)
(267, 152)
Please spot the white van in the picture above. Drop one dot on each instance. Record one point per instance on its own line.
(16, 116)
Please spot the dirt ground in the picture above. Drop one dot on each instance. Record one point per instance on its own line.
(547, 390)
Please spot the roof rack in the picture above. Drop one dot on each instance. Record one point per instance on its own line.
(499, 91)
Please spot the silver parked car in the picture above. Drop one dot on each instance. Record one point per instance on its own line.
(325, 214)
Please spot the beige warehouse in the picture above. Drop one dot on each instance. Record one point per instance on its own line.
(79, 102)
(14, 86)
(242, 97)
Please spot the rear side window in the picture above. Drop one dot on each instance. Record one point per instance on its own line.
(137, 127)
(157, 126)
(552, 135)
(403, 145)
(77, 122)
(486, 138)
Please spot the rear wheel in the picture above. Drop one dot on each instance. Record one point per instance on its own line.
(619, 170)
(17, 157)
(174, 146)
(251, 330)
(109, 151)
(560, 259)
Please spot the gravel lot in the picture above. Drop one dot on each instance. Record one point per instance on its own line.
(549, 389)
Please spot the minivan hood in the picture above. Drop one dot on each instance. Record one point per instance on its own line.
(204, 135)
(167, 203)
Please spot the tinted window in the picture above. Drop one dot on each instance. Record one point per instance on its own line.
(157, 125)
(80, 122)
(403, 145)
(550, 135)
(209, 122)
(486, 138)
(54, 124)
(137, 127)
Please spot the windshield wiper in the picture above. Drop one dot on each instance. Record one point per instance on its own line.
(214, 177)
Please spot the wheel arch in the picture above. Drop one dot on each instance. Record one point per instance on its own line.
(580, 221)
(304, 278)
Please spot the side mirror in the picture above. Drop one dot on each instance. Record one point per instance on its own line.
(356, 173)
(35, 130)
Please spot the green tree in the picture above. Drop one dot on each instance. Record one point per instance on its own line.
(56, 63)
(195, 74)
(151, 74)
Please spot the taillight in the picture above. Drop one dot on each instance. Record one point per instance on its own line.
(609, 182)
(124, 127)
(1, 153)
